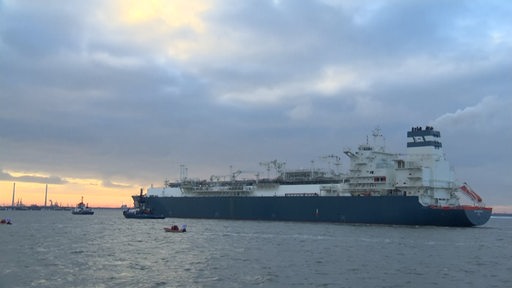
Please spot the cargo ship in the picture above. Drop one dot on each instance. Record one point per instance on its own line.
(379, 187)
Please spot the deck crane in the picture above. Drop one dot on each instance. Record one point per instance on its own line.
(337, 163)
(274, 164)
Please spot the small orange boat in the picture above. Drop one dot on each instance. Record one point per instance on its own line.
(176, 229)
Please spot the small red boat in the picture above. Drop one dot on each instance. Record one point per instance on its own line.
(176, 229)
(6, 221)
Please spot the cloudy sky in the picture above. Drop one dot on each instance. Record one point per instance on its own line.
(117, 94)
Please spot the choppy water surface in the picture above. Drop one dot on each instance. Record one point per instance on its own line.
(57, 249)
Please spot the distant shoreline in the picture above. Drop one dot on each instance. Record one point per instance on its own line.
(502, 214)
(52, 208)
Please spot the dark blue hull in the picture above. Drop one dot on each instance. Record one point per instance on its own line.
(142, 216)
(83, 213)
(391, 210)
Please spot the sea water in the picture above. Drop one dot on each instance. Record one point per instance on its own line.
(58, 249)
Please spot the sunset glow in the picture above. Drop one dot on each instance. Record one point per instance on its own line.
(66, 194)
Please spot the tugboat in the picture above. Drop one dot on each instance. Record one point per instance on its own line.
(82, 209)
(140, 211)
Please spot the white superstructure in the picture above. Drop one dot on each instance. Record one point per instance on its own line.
(423, 172)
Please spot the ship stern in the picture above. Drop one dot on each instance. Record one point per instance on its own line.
(477, 215)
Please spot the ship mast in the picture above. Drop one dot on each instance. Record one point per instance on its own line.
(379, 140)
(183, 172)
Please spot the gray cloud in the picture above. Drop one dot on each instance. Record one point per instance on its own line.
(33, 179)
(85, 95)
